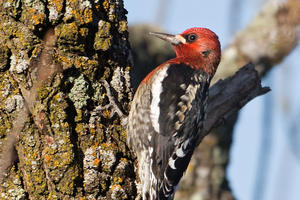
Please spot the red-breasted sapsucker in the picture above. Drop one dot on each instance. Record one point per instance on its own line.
(168, 111)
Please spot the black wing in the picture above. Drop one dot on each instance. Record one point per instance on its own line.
(181, 106)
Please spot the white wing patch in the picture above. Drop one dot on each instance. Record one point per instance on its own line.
(172, 163)
(156, 90)
(179, 152)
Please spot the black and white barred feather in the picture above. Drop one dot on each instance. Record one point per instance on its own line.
(165, 117)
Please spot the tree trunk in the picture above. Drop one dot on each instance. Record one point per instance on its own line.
(65, 92)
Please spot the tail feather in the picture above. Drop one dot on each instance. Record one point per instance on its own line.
(177, 165)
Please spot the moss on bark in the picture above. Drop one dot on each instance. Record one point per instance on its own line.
(73, 145)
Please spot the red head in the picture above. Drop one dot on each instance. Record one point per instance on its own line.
(197, 47)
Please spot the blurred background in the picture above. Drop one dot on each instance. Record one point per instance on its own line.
(255, 156)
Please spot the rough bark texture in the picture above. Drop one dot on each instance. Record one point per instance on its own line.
(65, 91)
(64, 75)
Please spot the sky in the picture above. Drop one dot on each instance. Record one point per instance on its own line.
(265, 156)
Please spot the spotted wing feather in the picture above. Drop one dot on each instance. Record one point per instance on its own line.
(181, 112)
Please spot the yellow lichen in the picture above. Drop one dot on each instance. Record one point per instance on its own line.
(80, 128)
(88, 16)
(83, 32)
(105, 4)
(52, 196)
(103, 38)
(106, 114)
(66, 61)
(116, 186)
(58, 4)
(92, 131)
(103, 184)
(67, 31)
(108, 146)
(43, 92)
(122, 26)
(36, 17)
(102, 43)
(118, 180)
(47, 157)
(79, 116)
(92, 62)
(96, 162)
(81, 62)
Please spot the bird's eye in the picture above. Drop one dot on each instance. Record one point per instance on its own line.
(191, 37)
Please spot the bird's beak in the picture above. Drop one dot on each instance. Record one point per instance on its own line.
(173, 39)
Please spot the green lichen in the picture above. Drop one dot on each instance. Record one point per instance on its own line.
(4, 56)
(55, 132)
(44, 92)
(59, 150)
(14, 102)
(103, 38)
(117, 192)
(34, 177)
(6, 88)
(120, 135)
(9, 96)
(23, 37)
(5, 125)
(122, 26)
(99, 95)
(67, 32)
(78, 93)
(55, 7)
(79, 11)
(108, 154)
(12, 187)
(33, 14)
(68, 180)
(68, 37)
(106, 73)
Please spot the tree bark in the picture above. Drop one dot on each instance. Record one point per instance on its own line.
(65, 91)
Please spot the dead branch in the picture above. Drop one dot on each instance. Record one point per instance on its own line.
(228, 96)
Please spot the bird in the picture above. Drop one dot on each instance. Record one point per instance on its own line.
(168, 110)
